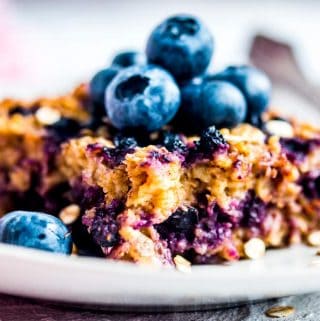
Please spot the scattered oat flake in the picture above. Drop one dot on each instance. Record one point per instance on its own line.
(47, 115)
(314, 238)
(69, 214)
(254, 248)
(280, 311)
(182, 264)
(74, 249)
(279, 128)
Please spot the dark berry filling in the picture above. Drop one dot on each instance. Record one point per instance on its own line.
(112, 157)
(104, 228)
(124, 142)
(178, 229)
(211, 142)
(87, 196)
(83, 240)
(173, 143)
(310, 183)
(182, 221)
(191, 229)
(254, 211)
(139, 135)
(155, 155)
(37, 197)
(296, 149)
(211, 233)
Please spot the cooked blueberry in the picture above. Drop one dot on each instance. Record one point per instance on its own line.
(111, 156)
(181, 44)
(123, 142)
(178, 229)
(254, 211)
(211, 140)
(183, 220)
(142, 97)
(159, 156)
(173, 143)
(65, 128)
(84, 242)
(254, 84)
(87, 196)
(310, 183)
(97, 87)
(296, 149)
(207, 103)
(210, 233)
(35, 230)
(129, 58)
(104, 229)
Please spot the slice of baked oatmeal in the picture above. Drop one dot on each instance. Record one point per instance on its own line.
(203, 201)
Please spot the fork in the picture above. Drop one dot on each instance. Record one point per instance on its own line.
(278, 60)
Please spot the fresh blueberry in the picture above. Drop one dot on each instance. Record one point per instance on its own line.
(190, 106)
(211, 140)
(191, 91)
(129, 58)
(97, 87)
(254, 84)
(210, 103)
(35, 230)
(181, 44)
(142, 97)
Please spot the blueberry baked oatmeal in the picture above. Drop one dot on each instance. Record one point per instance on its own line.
(30, 137)
(157, 161)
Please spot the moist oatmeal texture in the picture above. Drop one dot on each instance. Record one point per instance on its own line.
(202, 200)
(249, 189)
(30, 138)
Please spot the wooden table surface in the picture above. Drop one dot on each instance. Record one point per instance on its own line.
(18, 309)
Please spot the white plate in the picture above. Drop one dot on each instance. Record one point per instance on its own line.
(102, 283)
(118, 285)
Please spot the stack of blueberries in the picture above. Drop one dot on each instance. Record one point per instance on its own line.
(170, 84)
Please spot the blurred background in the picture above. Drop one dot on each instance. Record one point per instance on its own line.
(48, 47)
